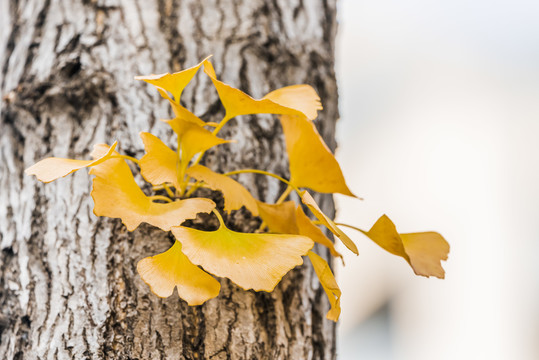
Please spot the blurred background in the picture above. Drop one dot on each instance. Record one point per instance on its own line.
(439, 130)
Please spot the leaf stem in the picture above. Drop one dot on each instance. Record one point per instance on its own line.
(220, 126)
(160, 197)
(284, 195)
(351, 227)
(193, 188)
(168, 190)
(255, 171)
(219, 217)
(214, 132)
(180, 169)
(282, 198)
(127, 157)
(199, 157)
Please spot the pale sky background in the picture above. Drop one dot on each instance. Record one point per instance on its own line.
(439, 130)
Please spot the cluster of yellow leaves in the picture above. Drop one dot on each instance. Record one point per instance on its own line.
(255, 261)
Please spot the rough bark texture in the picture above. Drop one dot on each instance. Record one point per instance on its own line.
(68, 281)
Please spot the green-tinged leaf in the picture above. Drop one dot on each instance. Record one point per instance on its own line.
(252, 261)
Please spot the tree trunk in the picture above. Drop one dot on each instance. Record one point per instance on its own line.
(68, 281)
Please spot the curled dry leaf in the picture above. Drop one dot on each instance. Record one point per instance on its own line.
(423, 251)
(172, 269)
(252, 261)
(53, 168)
(117, 195)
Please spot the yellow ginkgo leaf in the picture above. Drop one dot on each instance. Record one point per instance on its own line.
(236, 102)
(423, 251)
(234, 193)
(426, 250)
(323, 271)
(172, 269)
(193, 138)
(180, 111)
(312, 164)
(117, 195)
(308, 200)
(158, 165)
(285, 218)
(307, 228)
(280, 218)
(299, 97)
(174, 83)
(53, 168)
(252, 261)
(385, 234)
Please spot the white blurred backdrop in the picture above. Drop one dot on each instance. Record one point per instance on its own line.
(439, 130)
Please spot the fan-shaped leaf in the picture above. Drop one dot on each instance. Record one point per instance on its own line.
(174, 83)
(159, 164)
(299, 97)
(280, 218)
(165, 271)
(423, 251)
(234, 193)
(193, 138)
(117, 195)
(285, 218)
(312, 164)
(52, 168)
(236, 102)
(253, 261)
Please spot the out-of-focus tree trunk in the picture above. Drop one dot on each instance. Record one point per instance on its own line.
(68, 281)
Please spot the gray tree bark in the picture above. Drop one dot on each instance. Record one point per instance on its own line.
(68, 281)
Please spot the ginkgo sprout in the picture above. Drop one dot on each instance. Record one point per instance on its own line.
(256, 261)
